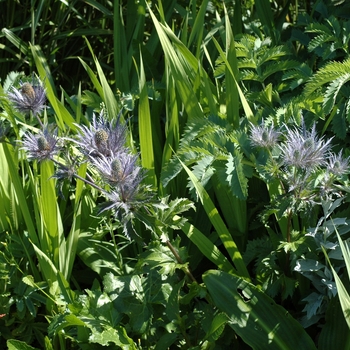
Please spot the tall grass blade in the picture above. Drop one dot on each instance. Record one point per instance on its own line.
(209, 250)
(108, 95)
(343, 294)
(18, 188)
(63, 117)
(247, 110)
(179, 69)
(218, 224)
(232, 95)
(145, 128)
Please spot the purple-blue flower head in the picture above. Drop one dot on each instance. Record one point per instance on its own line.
(31, 97)
(337, 164)
(102, 138)
(264, 136)
(120, 170)
(304, 149)
(42, 146)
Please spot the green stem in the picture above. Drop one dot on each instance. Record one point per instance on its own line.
(179, 260)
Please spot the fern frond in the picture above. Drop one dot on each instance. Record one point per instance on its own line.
(332, 92)
(327, 74)
(257, 249)
(174, 167)
(203, 171)
(279, 66)
(319, 40)
(298, 75)
(247, 63)
(339, 123)
(235, 175)
(249, 75)
(318, 28)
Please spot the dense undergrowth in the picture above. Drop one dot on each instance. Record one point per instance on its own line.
(174, 174)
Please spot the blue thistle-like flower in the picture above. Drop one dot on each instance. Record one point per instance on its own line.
(125, 176)
(303, 149)
(120, 170)
(102, 138)
(337, 164)
(42, 146)
(31, 97)
(263, 136)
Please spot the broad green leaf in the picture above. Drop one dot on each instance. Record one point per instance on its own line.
(13, 344)
(93, 79)
(116, 335)
(255, 317)
(16, 181)
(48, 268)
(15, 40)
(50, 215)
(68, 248)
(217, 327)
(335, 332)
(172, 307)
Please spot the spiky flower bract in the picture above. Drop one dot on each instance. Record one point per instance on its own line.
(103, 137)
(264, 136)
(337, 164)
(120, 170)
(304, 149)
(42, 146)
(31, 97)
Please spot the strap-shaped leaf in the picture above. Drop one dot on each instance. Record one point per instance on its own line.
(254, 316)
(218, 224)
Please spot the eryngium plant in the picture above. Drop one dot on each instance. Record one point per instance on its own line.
(303, 163)
(114, 169)
(30, 97)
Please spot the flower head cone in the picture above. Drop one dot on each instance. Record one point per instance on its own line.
(304, 149)
(42, 146)
(120, 169)
(337, 164)
(264, 136)
(103, 138)
(31, 97)
(125, 176)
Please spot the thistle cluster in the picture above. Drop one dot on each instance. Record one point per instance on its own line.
(103, 147)
(303, 162)
(29, 98)
(114, 169)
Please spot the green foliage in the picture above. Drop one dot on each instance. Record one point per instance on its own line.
(253, 315)
(190, 80)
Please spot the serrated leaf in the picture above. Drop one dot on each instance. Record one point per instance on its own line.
(29, 280)
(332, 92)
(235, 175)
(172, 307)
